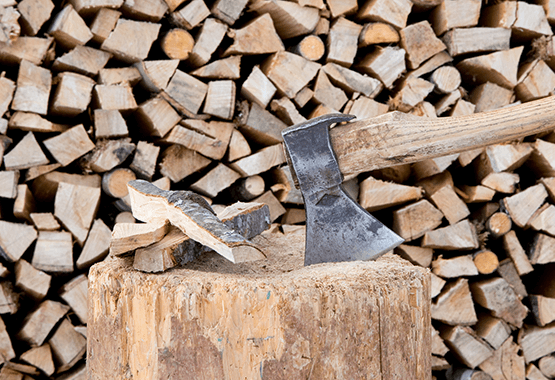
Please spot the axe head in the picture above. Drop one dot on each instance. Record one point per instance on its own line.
(337, 227)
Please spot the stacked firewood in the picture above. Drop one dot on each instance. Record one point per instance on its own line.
(194, 94)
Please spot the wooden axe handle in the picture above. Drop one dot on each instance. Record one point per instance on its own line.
(397, 138)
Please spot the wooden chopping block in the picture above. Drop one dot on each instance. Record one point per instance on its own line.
(267, 319)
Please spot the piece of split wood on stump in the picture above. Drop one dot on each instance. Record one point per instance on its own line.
(268, 344)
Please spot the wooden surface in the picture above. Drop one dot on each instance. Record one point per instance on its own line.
(271, 319)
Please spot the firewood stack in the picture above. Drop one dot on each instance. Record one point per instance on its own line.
(194, 94)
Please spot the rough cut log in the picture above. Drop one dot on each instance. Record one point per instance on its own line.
(489, 68)
(53, 252)
(502, 182)
(459, 236)
(416, 255)
(452, 207)
(342, 42)
(468, 347)
(109, 124)
(543, 309)
(493, 330)
(535, 80)
(178, 162)
(461, 41)
(523, 205)
(420, 43)
(130, 41)
(69, 29)
(455, 14)
(247, 39)
(500, 158)
(525, 20)
(41, 358)
(156, 116)
(40, 322)
(412, 92)
(536, 341)
(385, 63)
(505, 360)
(34, 13)
(215, 181)
(26, 154)
(82, 60)
(68, 346)
(45, 221)
(156, 74)
(103, 24)
(455, 267)
(377, 33)
(489, 96)
(352, 81)
(454, 305)
(33, 89)
(31, 280)
(375, 194)
(15, 238)
(127, 237)
(260, 162)
(413, 221)
(69, 145)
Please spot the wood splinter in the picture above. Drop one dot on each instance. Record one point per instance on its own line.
(192, 215)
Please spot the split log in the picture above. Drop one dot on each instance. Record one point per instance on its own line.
(220, 99)
(215, 181)
(143, 34)
(103, 24)
(393, 12)
(342, 42)
(535, 80)
(82, 60)
(247, 39)
(178, 162)
(515, 251)
(525, 20)
(159, 256)
(493, 330)
(191, 99)
(38, 324)
(32, 49)
(454, 305)
(459, 236)
(376, 195)
(502, 182)
(454, 267)
(463, 108)
(489, 96)
(144, 160)
(53, 252)
(41, 358)
(364, 108)
(238, 147)
(504, 362)
(276, 209)
(455, 14)
(68, 346)
(415, 220)
(416, 255)
(155, 75)
(507, 271)
(211, 34)
(108, 154)
(74, 293)
(290, 19)
(260, 126)
(15, 238)
(260, 162)
(461, 41)
(228, 12)
(97, 245)
(109, 124)
(45, 221)
(542, 160)
(536, 341)
(327, 94)
(523, 205)
(227, 68)
(286, 110)
(377, 33)
(446, 102)
(477, 194)
(130, 75)
(31, 280)
(543, 309)
(469, 348)
(541, 251)
(542, 220)
(157, 117)
(500, 158)
(69, 29)
(411, 92)
(258, 88)
(27, 153)
(8, 183)
(547, 365)
(533, 373)
(24, 203)
(114, 97)
(285, 189)
(127, 237)
(69, 145)
(488, 68)
(420, 43)
(33, 89)
(191, 15)
(385, 63)
(452, 207)
(352, 81)
(289, 72)
(34, 14)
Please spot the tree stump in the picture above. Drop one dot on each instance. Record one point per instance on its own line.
(268, 319)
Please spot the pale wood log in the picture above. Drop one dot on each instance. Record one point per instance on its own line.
(8, 298)
(445, 103)
(211, 34)
(144, 160)
(41, 321)
(523, 205)
(114, 97)
(446, 79)
(468, 347)
(489, 96)
(289, 72)
(247, 39)
(438, 347)
(157, 117)
(420, 43)
(488, 68)
(416, 255)
(498, 224)
(74, 293)
(533, 373)
(7, 89)
(82, 60)
(496, 294)
(238, 147)
(109, 153)
(507, 270)
(15, 238)
(477, 194)
(286, 110)
(156, 74)
(114, 182)
(87, 7)
(454, 267)
(130, 41)
(352, 81)
(260, 162)
(191, 15)
(68, 346)
(228, 12)
(275, 206)
(150, 10)
(514, 250)
(547, 365)
(342, 42)
(27, 121)
(103, 24)
(227, 68)
(151, 204)
(377, 33)
(542, 160)
(536, 341)
(342, 7)
(493, 330)
(34, 13)
(466, 158)
(452, 14)
(502, 182)
(541, 250)
(327, 94)
(46, 186)
(248, 188)
(284, 187)
(41, 358)
(385, 63)
(501, 158)
(364, 108)
(53, 252)
(259, 125)
(69, 29)
(376, 195)
(412, 92)
(437, 285)
(535, 80)
(462, 108)
(434, 166)
(33, 89)
(10, 27)
(109, 124)
(73, 94)
(32, 281)
(543, 309)
(413, 221)
(45, 221)
(220, 99)
(290, 18)
(430, 65)
(393, 12)
(542, 219)
(549, 184)
(505, 363)
(187, 91)
(526, 21)
(75, 207)
(178, 162)
(10, 374)
(27, 153)
(32, 49)
(303, 97)
(159, 257)
(215, 181)
(8, 183)
(129, 75)
(97, 245)
(476, 40)
(452, 207)
(311, 47)
(258, 88)
(459, 236)
(24, 203)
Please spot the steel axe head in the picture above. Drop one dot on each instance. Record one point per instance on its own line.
(337, 227)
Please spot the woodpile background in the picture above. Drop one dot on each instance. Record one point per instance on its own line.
(193, 94)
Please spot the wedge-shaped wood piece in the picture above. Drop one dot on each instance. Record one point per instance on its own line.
(193, 216)
(289, 72)
(24, 203)
(8, 184)
(127, 237)
(543, 309)
(497, 295)
(187, 91)
(290, 19)
(477, 194)
(342, 42)
(500, 68)
(493, 330)
(526, 21)
(413, 221)
(449, 203)
(97, 245)
(69, 29)
(385, 63)
(489, 96)
(75, 207)
(8, 298)
(103, 23)
(45, 221)
(151, 11)
(68, 346)
(227, 11)
(74, 293)
(500, 158)
(541, 250)
(327, 94)
(412, 91)
(514, 250)
(83, 60)
(416, 255)
(211, 34)
(110, 153)
(258, 88)
(54, 252)
(215, 181)
(364, 108)
(505, 360)
(27, 153)
(455, 14)
(543, 219)
(459, 236)
(438, 347)
(260, 162)
(31, 280)
(15, 238)
(458, 266)
(507, 271)
(45, 187)
(227, 68)
(41, 321)
(144, 160)
(156, 74)
(377, 33)
(247, 39)
(547, 365)
(352, 81)
(536, 341)
(468, 347)
(69, 145)
(32, 49)
(220, 99)
(41, 358)
(533, 373)
(542, 160)
(259, 125)
(109, 124)
(276, 208)
(476, 40)
(393, 12)
(157, 117)
(131, 41)
(535, 80)
(376, 195)
(420, 43)
(114, 97)
(287, 111)
(34, 13)
(33, 89)
(191, 15)
(502, 182)
(179, 162)
(32, 122)
(454, 304)
(523, 205)
(73, 94)
(549, 184)
(130, 75)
